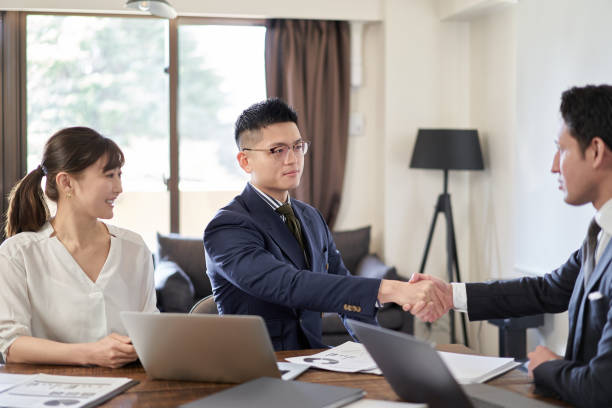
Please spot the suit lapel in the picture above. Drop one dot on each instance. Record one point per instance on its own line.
(307, 232)
(596, 274)
(264, 216)
(575, 305)
(600, 268)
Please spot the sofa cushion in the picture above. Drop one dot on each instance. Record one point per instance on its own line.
(188, 253)
(331, 323)
(175, 292)
(392, 317)
(372, 267)
(353, 246)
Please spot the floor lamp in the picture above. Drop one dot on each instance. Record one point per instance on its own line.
(447, 149)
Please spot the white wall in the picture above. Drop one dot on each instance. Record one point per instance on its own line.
(426, 85)
(561, 44)
(493, 113)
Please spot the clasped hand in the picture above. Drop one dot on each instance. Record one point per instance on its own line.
(426, 297)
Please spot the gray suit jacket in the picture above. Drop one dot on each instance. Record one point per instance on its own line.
(583, 376)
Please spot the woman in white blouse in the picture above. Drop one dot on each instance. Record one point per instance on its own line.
(63, 281)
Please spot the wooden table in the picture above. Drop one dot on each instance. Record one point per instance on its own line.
(161, 393)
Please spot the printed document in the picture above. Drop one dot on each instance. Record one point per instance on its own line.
(43, 390)
(352, 357)
(10, 380)
(349, 357)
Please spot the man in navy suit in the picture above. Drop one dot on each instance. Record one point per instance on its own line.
(583, 285)
(270, 255)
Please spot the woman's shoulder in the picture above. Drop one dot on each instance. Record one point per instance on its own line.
(18, 242)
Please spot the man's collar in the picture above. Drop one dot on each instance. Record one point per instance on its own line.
(603, 217)
(271, 201)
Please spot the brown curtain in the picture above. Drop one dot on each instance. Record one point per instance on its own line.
(12, 105)
(308, 66)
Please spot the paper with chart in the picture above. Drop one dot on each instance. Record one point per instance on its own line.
(349, 357)
(469, 368)
(10, 380)
(43, 390)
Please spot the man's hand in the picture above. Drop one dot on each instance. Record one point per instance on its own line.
(538, 356)
(112, 351)
(444, 294)
(422, 296)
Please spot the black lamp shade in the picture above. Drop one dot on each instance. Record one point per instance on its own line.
(452, 149)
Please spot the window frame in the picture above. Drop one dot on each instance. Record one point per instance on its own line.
(172, 182)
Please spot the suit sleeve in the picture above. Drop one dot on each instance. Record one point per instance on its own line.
(336, 266)
(583, 385)
(524, 296)
(236, 248)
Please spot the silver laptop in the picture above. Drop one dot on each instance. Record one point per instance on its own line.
(416, 373)
(202, 347)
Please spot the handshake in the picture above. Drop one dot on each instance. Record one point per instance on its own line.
(426, 297)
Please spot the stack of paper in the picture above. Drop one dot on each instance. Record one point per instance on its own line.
(469, 369)
(349, 357)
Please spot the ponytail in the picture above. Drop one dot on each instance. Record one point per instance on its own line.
(27, 209)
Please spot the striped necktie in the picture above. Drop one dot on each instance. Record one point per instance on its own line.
(590, 246)
(292, 222)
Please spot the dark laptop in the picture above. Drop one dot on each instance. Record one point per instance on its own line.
(416, 373)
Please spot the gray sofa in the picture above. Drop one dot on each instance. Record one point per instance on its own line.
(181, 280)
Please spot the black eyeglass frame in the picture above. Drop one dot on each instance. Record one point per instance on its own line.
(275, 152)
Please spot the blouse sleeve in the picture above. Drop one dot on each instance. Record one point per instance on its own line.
(15, 310)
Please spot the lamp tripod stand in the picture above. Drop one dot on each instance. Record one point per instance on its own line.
(452, 263)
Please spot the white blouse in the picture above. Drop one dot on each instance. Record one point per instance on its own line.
(44, 292)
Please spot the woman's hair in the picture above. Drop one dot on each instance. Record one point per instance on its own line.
(70, 150)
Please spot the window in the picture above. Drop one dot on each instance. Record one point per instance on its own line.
(217, 81)
(111, 74)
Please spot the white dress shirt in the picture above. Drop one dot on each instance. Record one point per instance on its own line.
(603, 218)
(44, 292)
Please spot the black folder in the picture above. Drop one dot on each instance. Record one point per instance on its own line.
(275, 393)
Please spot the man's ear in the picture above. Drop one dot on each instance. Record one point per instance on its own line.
(243, 161)
(601, 152)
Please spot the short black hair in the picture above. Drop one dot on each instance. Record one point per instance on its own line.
(262, 114)
(587, 113)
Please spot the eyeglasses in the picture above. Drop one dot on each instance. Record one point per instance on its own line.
(279, 153)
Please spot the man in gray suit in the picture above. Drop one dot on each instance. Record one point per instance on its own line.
(583, 285)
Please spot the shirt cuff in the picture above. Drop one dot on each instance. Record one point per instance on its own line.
(459, 297)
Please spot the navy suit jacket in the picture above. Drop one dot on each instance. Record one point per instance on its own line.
(583, 376)
(257, 267)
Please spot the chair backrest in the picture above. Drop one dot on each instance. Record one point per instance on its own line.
(205, 305)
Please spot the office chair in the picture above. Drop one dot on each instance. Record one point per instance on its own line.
(205, 305)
